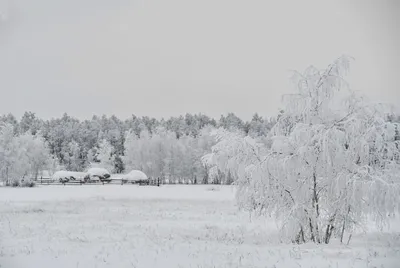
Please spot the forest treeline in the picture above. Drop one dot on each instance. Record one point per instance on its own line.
(168, 148)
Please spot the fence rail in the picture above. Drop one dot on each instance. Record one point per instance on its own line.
(150, 182)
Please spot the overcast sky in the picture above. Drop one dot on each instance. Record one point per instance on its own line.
(165, 58)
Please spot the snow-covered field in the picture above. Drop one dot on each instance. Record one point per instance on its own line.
(168, 226)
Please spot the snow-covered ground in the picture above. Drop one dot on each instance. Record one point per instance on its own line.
(168, 226)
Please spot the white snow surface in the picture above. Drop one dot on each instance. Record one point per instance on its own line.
(135, 175)
(168, 226)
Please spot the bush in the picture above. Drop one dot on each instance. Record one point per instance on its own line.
(18, 183)
(15, 183)
(29, 184)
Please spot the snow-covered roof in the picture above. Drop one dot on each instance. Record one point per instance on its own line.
(98, 171)
(135, 175)
(62, 174)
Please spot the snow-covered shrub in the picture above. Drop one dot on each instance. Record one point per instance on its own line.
(28, 183)
(21, 155)
(22, 183)
(15, 183)
(332, 160)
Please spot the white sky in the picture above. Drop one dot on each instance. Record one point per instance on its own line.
(165, 58)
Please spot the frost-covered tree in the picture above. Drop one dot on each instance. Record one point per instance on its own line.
(105, 155)
(24, 155)
(231, 122)
(54, 165)
(163, 155)
(135, 151)
(62, 134)
(158, 151)
(258, 126)
(10, 119)
(72, 156)
(332, 160)
(91, 155)
(34, 154)
(8, 153)
(29, 123)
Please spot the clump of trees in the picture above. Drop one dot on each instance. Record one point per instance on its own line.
(165, 156)
(331, 160)
(22, 156)
(170, 149)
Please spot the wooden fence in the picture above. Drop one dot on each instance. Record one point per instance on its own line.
(149, 182)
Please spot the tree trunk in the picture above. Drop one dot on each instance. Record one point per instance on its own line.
(348, 240)
(311, 230)
(317, 233)
(344, 226)
(205, 178)
(7, 178)
(329, 229)
(300, 236)
(316, 207)
(342, 234)
(328, 233)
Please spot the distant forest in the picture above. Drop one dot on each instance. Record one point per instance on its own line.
(167, 148)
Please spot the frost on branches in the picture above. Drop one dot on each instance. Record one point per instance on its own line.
(21, 156)
(332, 162)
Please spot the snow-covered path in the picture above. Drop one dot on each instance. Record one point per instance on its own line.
(169, 226)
